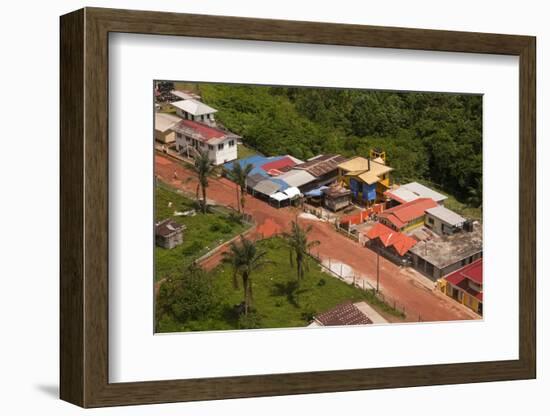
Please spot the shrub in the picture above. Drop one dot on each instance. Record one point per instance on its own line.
(251, 321)
(189, 297)
(193, 248)
(215, 227)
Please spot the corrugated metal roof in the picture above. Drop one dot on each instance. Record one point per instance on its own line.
(268, 187)
(165, 121)
(194, 107)
(423, 191)
(401, 195)
(185, 95)
(253, 180)
(344, 314)
(296, 177)
(321, 165)
(201, 131)
(446, 215)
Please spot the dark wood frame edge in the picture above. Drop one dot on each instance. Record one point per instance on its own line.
(84, 207)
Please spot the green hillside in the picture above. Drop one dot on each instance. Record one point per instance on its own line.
(427, 136)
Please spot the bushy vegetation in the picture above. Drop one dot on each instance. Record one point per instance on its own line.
(426, 136)
(204, 232)
(278, 302)
(188, 296)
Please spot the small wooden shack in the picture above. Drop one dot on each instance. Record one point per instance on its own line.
(337, 198)
(168, 233)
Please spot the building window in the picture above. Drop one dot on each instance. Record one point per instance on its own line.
(187, 138)
(202, 144)
(178, 135)
(430, 221)
(220, 146)
(231, 143)
(210, 147)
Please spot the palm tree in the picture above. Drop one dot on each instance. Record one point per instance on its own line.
(238, 175)
(245, 258)
(299, 245)
(203, 167)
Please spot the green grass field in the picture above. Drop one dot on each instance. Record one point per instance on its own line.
(204, 232)
(276, 301)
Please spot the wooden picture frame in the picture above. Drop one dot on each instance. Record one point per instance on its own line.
(84, 207)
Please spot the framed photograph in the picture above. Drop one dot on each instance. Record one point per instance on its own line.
(256, 207)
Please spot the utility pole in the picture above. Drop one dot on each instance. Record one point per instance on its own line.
(377, 268)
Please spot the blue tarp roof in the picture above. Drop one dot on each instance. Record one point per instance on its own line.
(317, 191)
(258, 161)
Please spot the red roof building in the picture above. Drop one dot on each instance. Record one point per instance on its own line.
(279, 165)
(407, 216)
(199, 131)
(221, 145)
(466, 285)
(388, 237)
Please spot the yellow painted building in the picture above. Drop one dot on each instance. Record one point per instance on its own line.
(465, 286)
(368, 179)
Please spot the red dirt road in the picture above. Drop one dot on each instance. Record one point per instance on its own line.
(400, 284)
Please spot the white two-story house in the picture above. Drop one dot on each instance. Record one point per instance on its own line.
(221, 145)
(195, 110)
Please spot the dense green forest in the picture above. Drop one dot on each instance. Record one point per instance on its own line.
(429, 137)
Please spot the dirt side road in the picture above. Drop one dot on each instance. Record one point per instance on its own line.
(402, 284)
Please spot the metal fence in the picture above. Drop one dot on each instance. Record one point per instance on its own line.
(338, 269)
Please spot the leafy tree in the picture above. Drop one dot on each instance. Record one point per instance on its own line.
(430, 137)
(299, 245)
(238, 175)
(203, 168)
(245, 258)
(188, 297)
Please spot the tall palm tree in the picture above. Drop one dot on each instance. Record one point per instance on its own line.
(204, 168)
(245, 258)
(238, 175)
(300, 246)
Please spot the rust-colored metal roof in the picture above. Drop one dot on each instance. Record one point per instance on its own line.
(201, 131)
(321, 165)
(168, 227)
(344, 314)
